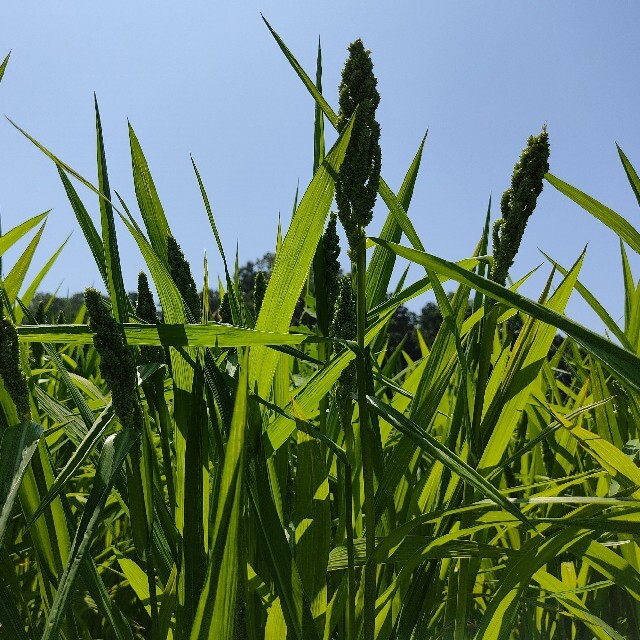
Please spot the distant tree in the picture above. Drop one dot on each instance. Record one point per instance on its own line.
(69, 306)
(403, 325)
(429, 321)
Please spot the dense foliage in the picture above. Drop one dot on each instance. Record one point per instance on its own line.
(299, 456)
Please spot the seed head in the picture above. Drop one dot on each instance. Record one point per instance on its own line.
(225, 309)
(359, 178)
(518, 203)
(146, 310)
(116, 361)
(181, 273)
(11, 373)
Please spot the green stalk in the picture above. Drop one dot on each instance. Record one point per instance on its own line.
(351, 568)
(366, 439)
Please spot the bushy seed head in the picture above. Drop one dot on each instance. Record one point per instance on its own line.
(359, 178)
(62, 318)
(181, 274)
(116, 361)
(11, 373)
(145, 305)
(518, 203)
(225, 309)
(146, 310)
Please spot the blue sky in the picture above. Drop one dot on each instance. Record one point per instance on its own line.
(207, 79)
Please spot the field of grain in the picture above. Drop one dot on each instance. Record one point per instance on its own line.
(276, 467)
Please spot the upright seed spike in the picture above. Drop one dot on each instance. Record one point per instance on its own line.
(181, 273)
(359, 178)
(518, 202)
(146, 310)
(11, 372)
(117, 364)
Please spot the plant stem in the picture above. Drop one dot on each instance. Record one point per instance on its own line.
(366, 439)
(351, 570)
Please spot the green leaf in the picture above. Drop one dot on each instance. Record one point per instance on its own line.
(324, 105)
(216, 613)
(448, 458)
(617, 464)
(119, 300)
(15, 277)
(613, 220)
(79, 457)
(382, 262)
(282, 567)
(632, 176)
(574, 605)
(293, 260)
(17, 445)
(168, 335)
(622, 362)
(592, 301)
(498, 620)
(114, 452)
(3, 66)
(8, 239)
(150, 207)
(27, 296)
(9, 614)
(86, 224)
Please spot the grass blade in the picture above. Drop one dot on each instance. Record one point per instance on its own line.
(610, 218)
(91, 235)
(292, 262)
(7, 240)
(114, 452)
(216, 613)
(150, 207)
(622, 362)
(448, 458)
(16, 276)
(3, 66)
(632, 176)
(119, 301)
(17, 445)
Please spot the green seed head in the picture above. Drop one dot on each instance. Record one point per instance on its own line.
(116, 361)
(181, 273)
(225, 310)
(146, 310)
(518, 203)
(11, 373)
(62, 318)
(359, 178)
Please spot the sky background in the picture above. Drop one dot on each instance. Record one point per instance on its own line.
(207, 79)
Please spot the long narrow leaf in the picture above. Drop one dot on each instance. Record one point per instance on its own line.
(17, 445)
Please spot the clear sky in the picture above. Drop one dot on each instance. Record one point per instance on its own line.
(206, 78)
